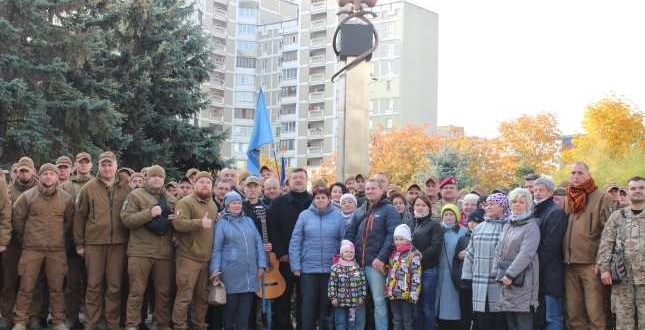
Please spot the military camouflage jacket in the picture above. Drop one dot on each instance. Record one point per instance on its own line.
(624, 228)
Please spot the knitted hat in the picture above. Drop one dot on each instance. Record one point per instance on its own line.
(452, 208)
(171, 184)
(231, 196)
(349, 197)
(403, 231)
(48, 167)
(203, 174)
(346, 245)
(156, 170)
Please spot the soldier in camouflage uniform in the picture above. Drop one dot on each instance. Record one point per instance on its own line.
(626, 227)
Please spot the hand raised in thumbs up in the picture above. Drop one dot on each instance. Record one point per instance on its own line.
(206, 222)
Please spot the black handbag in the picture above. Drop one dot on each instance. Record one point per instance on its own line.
(502, 266)
(617, 257)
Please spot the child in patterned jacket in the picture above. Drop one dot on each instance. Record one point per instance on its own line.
(347, 289)
(403, 282)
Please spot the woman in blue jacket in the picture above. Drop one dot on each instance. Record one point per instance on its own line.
(314, 243)
(239, 255)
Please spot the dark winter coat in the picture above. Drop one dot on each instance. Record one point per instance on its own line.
(553, 224)
(427, 237)
(283, 216)
(372, 231)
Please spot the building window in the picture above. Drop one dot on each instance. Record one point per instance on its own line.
(288, 127)
(245, 62)
(215, 113)
(244, 79)
(248, 97)
(289, 74)
(247, 29)
(289, 39)
(241, 113)
(242, 131)
(288, 109)
(388, 85)
(247, 46)
(289, 56)
(288, 91)
(248, 12)
(240, 148)
(388, 123)
(288, 144)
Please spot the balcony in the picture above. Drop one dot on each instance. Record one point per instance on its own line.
(317, 77)
(318, 43)
(217, 100)
(220, 14)
(316, 131)
(313, 150)
(318, 25)
(316, 60)
(317, 96)
(219, 31)
(218, 66)
(315, 114)
(216, 82)
(224, 2)
(318, 7)
(219, 49)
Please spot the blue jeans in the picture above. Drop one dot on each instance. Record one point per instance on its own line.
(553, 312)
(344, 322)
(376, 282)
(426, 304)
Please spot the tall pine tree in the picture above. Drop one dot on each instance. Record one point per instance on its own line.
(92, 76)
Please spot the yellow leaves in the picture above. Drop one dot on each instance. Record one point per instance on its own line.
(400, 154)
(613, 142)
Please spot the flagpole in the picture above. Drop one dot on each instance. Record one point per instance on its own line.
(275, 158)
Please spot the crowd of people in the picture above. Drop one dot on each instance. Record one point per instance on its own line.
(127, 249)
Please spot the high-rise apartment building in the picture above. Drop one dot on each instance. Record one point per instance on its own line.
(284, 48)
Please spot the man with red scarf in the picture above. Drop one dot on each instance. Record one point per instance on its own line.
(588, 208)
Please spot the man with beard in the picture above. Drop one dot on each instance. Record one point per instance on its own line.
(588, 208)
(101, 238)
(283, 215)
(221, 187)
(65, 167)
(194, 228)
(75, 277)
(147, 213)
(24, 181)
(40, 216)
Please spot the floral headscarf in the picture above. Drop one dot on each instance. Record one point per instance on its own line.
(500, 199)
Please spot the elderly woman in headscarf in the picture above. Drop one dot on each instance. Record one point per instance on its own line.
(478, 264)
(515, 265)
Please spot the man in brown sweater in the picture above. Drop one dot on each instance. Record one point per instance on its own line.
(101, 238)
(588, 208)
(40, 216)
(194, 226)
(147, 213)
(25, 180)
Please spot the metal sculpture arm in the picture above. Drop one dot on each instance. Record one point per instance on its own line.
(359, 9)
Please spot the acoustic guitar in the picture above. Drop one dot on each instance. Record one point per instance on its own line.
(272, 285)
